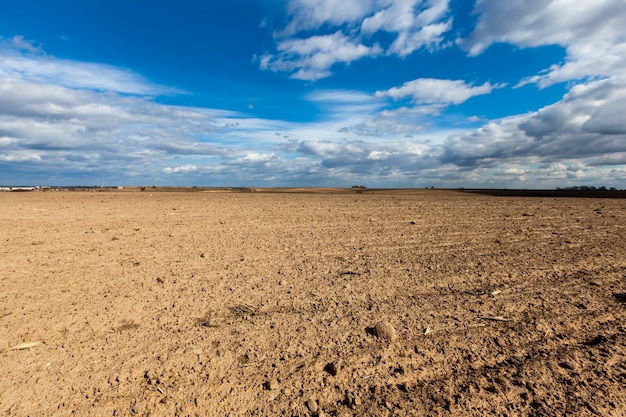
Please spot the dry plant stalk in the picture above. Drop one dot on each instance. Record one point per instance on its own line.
(27, 345)
(496, 318)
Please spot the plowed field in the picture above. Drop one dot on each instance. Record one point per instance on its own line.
(214, 303)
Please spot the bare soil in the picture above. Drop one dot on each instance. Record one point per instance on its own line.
(330, 303)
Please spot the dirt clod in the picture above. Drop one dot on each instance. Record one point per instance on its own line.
(272, 385)
(383, 330)
(311, 404)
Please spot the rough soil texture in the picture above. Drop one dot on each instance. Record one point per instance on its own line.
(366, 304)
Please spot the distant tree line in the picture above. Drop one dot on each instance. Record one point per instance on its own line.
(586, 188)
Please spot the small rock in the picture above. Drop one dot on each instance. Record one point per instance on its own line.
(113, 379)
(272, 385)
(568, 365)
(384, 330)
(311, 404)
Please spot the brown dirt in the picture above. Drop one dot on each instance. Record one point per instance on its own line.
(267, 304)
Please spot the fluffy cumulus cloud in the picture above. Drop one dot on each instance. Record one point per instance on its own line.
(416, 24)
(591, 32)
(412, 24)
(574, 135)
(563, 141)
(433, 91)
(312, 58)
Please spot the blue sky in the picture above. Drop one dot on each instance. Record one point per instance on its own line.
(384, 93)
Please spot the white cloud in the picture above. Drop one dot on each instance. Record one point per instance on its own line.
(405, 121)
(346, 113)
(312, 58)
(20, 156)
(416, 24)
(617, 158)
(430, 36)
(259, 157)
(436, 91)
(583, 62)
(311, 14)
(592, 33)
(357, 155)
(56, 117)
(345, 105)
(394, 16)
(344, 31)
(35, 67)
(580, 127)
(22, 44)
(537, 22)
(429, 97)
(183, 169)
